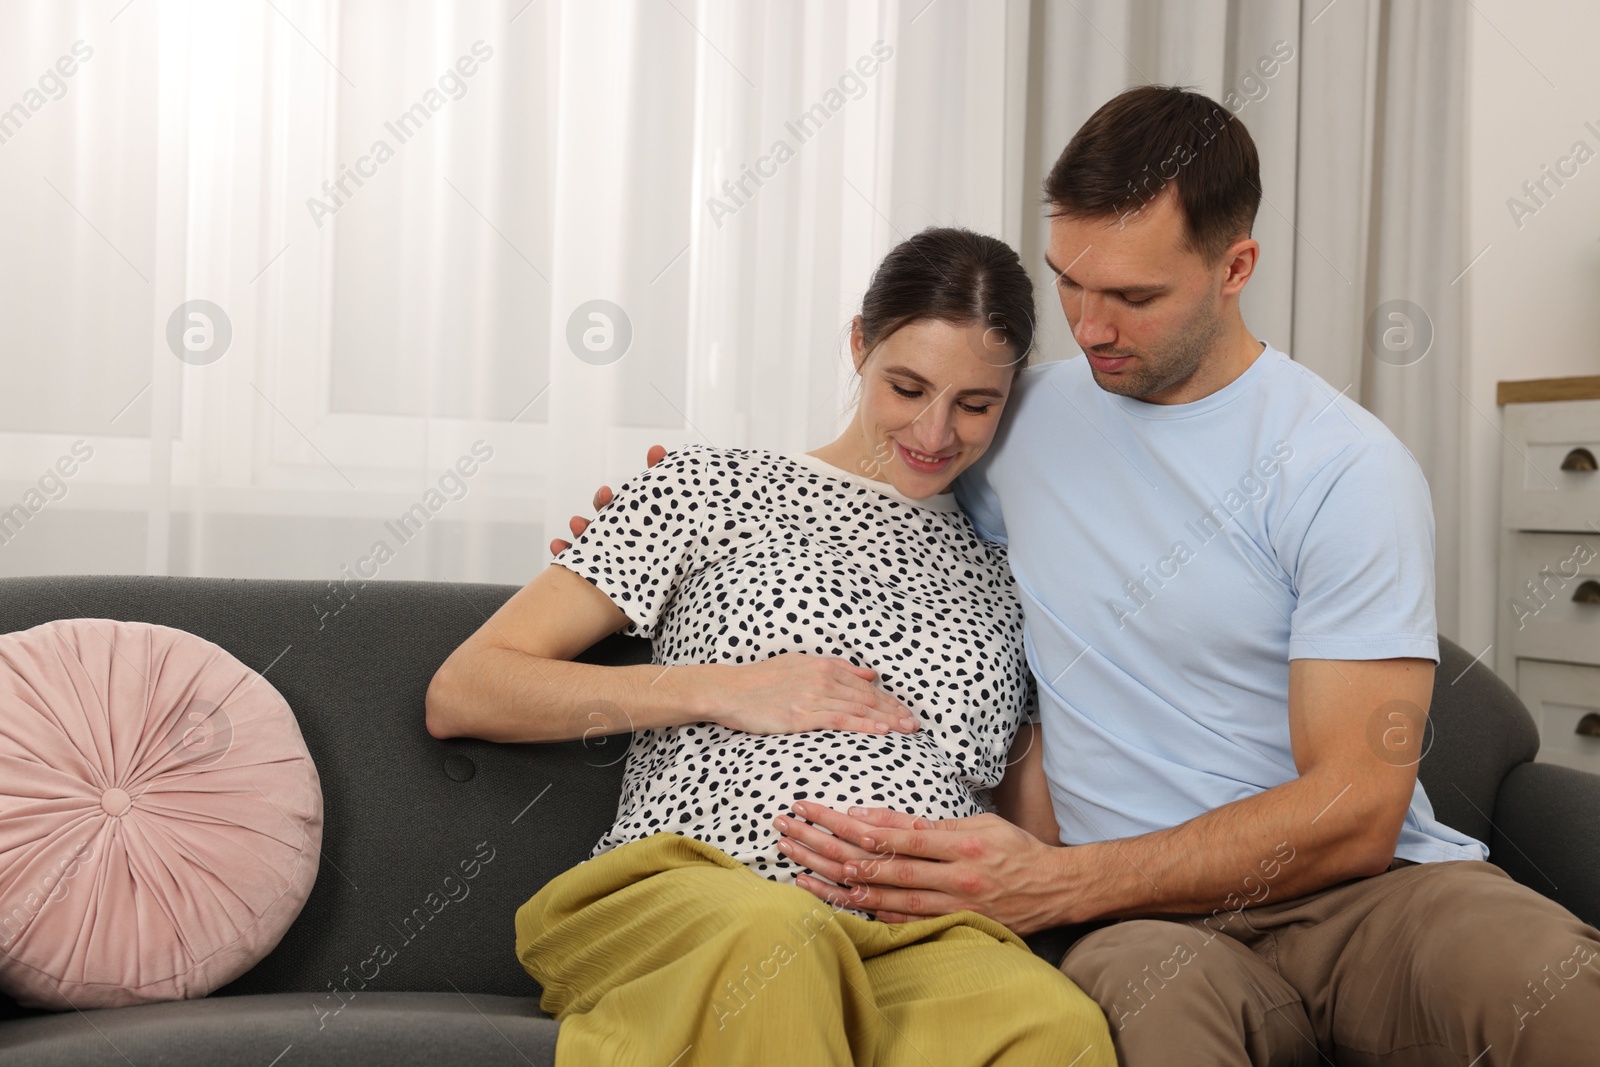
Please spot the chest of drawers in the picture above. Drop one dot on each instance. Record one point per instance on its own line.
(1548, 619)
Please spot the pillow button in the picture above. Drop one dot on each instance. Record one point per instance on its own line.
(115, 801)
(459, 768)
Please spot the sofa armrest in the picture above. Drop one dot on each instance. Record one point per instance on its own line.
(1547, 834)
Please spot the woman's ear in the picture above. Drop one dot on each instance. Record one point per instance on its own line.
(858, 344)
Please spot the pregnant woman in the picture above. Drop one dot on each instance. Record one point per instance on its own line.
(827, 627)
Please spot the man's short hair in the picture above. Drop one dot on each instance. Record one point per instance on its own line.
(1154, 136)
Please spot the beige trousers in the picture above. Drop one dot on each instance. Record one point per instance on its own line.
(1435, 963)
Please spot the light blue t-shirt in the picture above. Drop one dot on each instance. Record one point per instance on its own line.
(1172, 560)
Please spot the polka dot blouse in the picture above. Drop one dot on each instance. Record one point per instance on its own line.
(733, 555)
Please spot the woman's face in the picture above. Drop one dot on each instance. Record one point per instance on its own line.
(931, 397)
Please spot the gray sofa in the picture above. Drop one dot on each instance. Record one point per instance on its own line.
(403, 809)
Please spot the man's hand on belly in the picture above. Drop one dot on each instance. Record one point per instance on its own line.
(1356, 728)
(904, 868)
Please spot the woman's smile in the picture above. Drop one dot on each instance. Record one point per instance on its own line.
(922, 462)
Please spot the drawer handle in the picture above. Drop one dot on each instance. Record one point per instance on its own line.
(1580, 459)
(1589, 725)
(1587, 593)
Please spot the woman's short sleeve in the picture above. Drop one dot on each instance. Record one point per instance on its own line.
(642, 545)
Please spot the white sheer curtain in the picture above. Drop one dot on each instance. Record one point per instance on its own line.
(405, 213)
(408, 211)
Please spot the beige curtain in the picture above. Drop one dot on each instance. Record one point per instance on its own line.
(1361, 136)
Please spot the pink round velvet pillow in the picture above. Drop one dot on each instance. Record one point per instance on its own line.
(160, 817)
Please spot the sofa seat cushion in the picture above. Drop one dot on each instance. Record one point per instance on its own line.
(283, 1029)
(160, 816)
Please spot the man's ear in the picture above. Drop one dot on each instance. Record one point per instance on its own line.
(858, 344)
(1240, 263)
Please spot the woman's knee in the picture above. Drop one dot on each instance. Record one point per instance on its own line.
(1045, 994)
(1049, 1015)
(768, 917)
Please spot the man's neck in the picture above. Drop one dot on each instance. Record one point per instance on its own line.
(1233, 354)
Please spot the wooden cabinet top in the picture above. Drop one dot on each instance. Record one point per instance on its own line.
(1538, 390)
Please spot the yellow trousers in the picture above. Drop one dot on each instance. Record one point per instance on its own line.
(667, 951)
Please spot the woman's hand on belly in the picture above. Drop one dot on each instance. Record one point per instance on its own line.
(794, 692)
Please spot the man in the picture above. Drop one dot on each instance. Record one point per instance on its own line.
(1227, 572)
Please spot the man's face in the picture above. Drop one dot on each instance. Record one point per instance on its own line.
(1145, 309)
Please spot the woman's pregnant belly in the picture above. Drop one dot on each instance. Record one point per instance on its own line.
(725, 787)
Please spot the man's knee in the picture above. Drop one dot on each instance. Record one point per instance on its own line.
(1521, 956)
(1486, 937)
(1460, 955)
(1128, 966)
(1169, 986)
(1559, 990)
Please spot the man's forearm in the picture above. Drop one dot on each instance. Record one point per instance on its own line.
(1339, 819)
(1285, 842)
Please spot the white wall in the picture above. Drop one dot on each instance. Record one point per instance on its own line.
(1533, 300)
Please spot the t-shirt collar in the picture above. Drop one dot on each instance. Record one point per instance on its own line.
(937, 502)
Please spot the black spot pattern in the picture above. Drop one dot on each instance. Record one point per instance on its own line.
(733, 555)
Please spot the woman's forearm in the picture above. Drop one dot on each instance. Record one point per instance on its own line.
(501, 694)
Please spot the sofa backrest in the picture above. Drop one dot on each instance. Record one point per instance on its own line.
(407, 817)
(429, 846)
